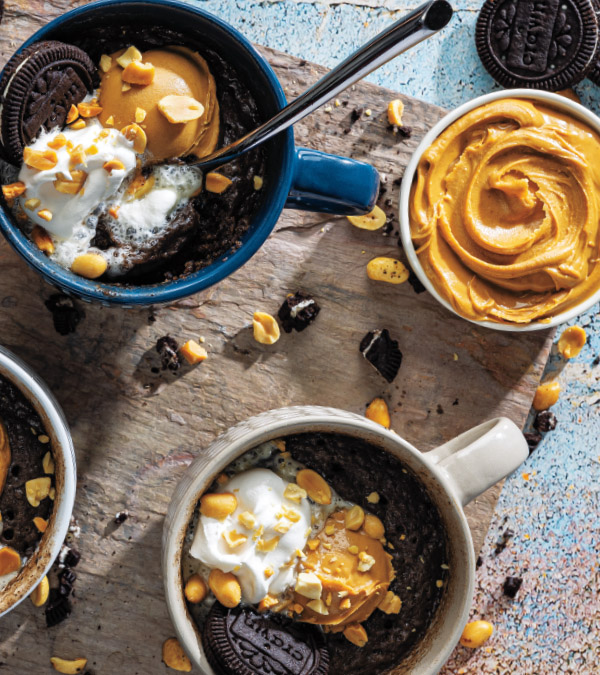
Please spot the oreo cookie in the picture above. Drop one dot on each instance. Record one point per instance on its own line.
(37, 89)
(540, 44)
(298, 311)
(382, 353)
(240, 641)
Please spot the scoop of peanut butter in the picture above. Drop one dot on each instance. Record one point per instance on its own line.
(177, 71)
(355, 573)
(505, 212)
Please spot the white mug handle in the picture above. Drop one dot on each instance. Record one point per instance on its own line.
(480, 457)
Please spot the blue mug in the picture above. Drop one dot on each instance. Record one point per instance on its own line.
(302, 178)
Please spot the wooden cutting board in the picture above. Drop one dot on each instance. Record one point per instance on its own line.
(136, 431)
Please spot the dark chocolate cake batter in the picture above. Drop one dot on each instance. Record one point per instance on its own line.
(24, 427)
(354, 469)
(209, 225)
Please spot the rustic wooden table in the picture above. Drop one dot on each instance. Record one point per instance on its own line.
(135, 431)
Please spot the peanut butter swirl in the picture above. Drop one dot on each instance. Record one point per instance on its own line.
(504, 212)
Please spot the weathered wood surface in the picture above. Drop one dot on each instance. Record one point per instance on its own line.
(135, 432)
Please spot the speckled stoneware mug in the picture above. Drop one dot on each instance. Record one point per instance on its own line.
(65, 475)
(552, 100)
(453, 474)
(297, 178)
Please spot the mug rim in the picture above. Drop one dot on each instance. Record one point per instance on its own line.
(38, 394)
(554, 100)
(229, 262)
(256, 429)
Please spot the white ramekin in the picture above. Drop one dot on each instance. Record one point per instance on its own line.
(55, 424)
(453, 474)
(556, 101)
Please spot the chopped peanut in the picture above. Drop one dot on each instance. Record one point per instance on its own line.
(174, 657)
(371, 221)
(78, 157)
(373, 498)
(110, 121)
(105, 63)
(89, 109)
(114, 211)
(58, 142)
(354, 518)
(546, 395)
(258, 182)
(356, 634)
(265, 328)
(32, 204)
(218, 505)
(37, 489)
(225, 588)
(140, 186)
(139, 73)
(193, 353)
(10, 561)
(40, 593)
(215, 182)
(48, 463)
(267, 545)
(113, 165)
(233, 538)
(315, 486)
(13, 190)
(391, 604)
(42, 240)
(180, 109)
(267, 602)
(294, 492)
(387, 269)
(73, 114)
(45, 214)
(92, 150)
(135, 133)
(476, 633)
(571, 341)
(67, 667)
(131, 54)
(73, 186)
(89, 265)
(42, 161)
(377, 411)
(40, 523)
(195, 589)
(394, 112)
(140, 115)
(125, 87)
(78, 125)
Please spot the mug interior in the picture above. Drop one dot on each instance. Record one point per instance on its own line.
(201, 31)
(549, 98)
(428, 655)
(37, 394)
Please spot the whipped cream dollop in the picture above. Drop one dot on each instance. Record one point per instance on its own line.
(274, 531)
(68, 210)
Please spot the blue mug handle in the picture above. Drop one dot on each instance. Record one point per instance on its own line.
(332, 184)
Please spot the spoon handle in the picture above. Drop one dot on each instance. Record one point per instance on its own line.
(422, 22)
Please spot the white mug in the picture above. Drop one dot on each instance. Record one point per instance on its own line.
(453, 474)
(55, 424)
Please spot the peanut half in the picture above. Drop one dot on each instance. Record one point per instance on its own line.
(40, 593)
(571, 341)
(546, 395)
(371, 221)
(195, 589)
(354, 518)
(373, 527)
(216, 182)
(315, 486)
(265, 328)
(476, 633)
(225, 588)
(135, 133)
(387, 269)
(68, 667)
(180, 109)
(89, 265)
(10, 560)
(356, 634)
(129, 55)
(139, 73)
(218, 505)
(378, 411)
(174, 657)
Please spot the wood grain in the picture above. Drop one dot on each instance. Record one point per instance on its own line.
(136, 431)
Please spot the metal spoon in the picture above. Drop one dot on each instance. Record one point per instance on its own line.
(421, 23)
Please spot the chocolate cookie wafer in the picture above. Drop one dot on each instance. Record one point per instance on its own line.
(37, 88)
(540, 44)
(240, 641)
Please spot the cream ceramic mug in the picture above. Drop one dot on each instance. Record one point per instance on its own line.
(453, 474)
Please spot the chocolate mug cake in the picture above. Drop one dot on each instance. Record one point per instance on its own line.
(307, 547)
(93, 128)
(27, 487)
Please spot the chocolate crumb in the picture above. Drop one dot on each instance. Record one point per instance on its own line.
(66, 315)
(596, 361)
(533, 440)
(439, 410)
(545, 421)
(455, 402)
(511, 586)
(121, 517)
(405, 132)
(503, 540)
(479, 562)
(397, 181)
(57, 608)
(298, 311)
(167, 348)
(415, 282)
(356, 114)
